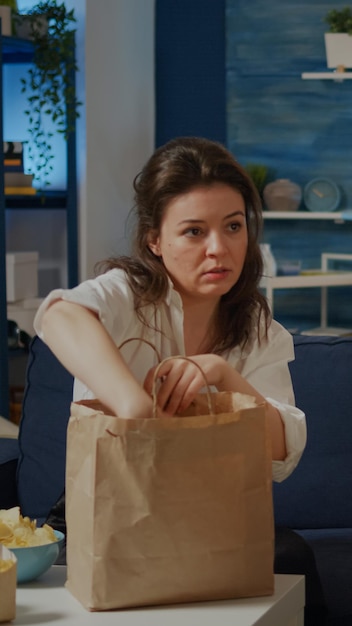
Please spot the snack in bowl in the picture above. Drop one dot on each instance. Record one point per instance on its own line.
(36, 549)
(17, 531)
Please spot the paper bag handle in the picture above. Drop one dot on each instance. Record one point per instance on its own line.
(144, 341)
(169, 358)
(185, 358)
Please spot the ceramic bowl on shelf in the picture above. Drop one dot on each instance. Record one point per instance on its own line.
(289, 268)
(34, 561)
(282, 195)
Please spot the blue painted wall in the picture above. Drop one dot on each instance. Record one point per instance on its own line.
(299, 128)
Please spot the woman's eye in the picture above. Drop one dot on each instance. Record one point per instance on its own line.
(193, 232)
(234, 226)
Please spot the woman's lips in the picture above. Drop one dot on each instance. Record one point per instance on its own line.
(217, 273)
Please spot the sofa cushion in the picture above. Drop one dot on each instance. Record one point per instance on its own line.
(314, 496)
(9, 450)
(8, 464)
(42, 436)
(8, 493)
(332, 550)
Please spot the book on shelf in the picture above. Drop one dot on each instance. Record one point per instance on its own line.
(13, 156)
(13, 166)
(20, 191)
(13, 150)
(13, 163)
(18, 179)
(19, 183)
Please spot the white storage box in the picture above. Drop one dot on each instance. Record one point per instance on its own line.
(21, 275)
(23, 313)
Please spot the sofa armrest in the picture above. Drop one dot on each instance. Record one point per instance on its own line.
(9, 452)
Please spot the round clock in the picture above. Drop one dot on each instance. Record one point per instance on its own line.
(321, 194)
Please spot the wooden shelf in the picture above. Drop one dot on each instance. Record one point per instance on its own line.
(337, 76)
(340, 216)
(331, 331)
(39, 201)
(17, 50)
(315, 279)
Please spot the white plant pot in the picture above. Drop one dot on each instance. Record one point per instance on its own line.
(338, 47)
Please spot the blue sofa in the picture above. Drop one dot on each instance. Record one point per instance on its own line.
(314, 500)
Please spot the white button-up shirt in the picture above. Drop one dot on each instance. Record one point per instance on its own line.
(264, 364)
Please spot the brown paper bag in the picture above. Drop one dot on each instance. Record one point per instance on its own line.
(8, 585)
(168, 510)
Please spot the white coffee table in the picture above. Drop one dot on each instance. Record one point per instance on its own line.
(48, 603)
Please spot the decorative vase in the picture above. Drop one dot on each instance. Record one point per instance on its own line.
(282, 195)
(338, 48)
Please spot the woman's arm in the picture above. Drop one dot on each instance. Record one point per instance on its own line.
(79, 340)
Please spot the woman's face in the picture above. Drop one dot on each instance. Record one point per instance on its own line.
(203, 241)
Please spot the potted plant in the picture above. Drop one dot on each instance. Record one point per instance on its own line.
(49, 83)
(260, 175)
(338, 41)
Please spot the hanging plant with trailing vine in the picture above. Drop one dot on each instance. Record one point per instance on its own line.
(49, 83)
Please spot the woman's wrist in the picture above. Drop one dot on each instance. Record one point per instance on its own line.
(133, 404)
(228, 376)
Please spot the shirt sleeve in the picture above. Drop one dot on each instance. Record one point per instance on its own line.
(266, 368)
(105, 295)
(296, 437)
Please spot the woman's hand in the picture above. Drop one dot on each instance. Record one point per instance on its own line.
(179, 380)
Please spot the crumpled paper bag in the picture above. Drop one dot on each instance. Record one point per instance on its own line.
(167, 510)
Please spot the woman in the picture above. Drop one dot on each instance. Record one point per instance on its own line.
(191, 287)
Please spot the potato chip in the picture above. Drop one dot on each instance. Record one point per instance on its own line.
(5, 565)
(17, 531)
(5, 531)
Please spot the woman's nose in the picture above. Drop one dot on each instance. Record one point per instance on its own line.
(215, 245)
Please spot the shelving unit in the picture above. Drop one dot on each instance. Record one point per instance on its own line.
(322, 280)
(338, 217)
(337, 76)
(15, 50)
(330, 279)
(291, 309)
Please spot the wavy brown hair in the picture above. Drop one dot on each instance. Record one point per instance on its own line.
(175, 168)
